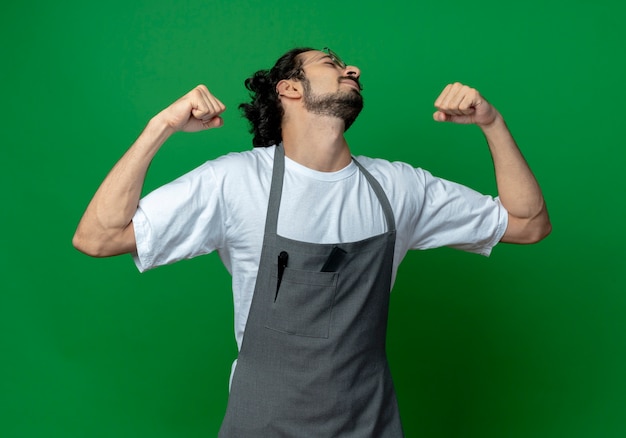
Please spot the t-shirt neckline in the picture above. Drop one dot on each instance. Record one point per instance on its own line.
(346, 172)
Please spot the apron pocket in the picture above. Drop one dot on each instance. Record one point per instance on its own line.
(304, 303)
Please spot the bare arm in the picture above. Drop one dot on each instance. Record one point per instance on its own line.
(106, 226)
(518, 189)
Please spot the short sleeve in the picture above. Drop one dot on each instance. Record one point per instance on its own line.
(453, 215)
(179, 220)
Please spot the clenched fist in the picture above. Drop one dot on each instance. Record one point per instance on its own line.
(195, 111)
(459, 103)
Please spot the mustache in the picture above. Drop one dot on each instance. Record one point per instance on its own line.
(353, 79)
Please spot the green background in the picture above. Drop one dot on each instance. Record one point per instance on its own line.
(530, 342)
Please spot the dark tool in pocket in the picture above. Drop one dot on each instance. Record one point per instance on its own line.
(334, 259)
(283, 258)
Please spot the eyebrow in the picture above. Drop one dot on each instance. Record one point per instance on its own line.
(315, 59)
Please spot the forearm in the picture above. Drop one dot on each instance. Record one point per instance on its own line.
(104, 227)
(518, 188)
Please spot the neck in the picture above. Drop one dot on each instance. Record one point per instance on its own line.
(317, 142)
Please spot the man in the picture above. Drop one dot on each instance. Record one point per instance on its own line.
(312, 237)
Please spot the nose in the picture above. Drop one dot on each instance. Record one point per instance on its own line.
(352, 70)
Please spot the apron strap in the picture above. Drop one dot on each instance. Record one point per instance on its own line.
(276, 190)
(382, 197)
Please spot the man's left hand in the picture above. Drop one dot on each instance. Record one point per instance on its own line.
(459, 103)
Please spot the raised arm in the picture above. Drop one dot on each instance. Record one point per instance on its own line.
(106, 226)
(518, 189)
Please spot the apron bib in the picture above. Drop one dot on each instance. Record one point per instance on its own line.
(312, 361)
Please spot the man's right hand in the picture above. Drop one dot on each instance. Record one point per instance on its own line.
(197, 110)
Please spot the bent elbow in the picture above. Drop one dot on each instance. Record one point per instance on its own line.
(540, 232)
(107, 243)
(86, 246)
(542, 225)
(547, 229)
(526, 231)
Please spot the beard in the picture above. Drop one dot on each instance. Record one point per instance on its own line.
(345, 105)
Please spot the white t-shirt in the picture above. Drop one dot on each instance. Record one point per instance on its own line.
(222, 205)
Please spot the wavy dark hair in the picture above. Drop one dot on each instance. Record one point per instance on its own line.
(264, 112)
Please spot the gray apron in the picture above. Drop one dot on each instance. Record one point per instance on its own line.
(312, 361)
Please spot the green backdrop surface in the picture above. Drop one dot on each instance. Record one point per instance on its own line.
(530, 342)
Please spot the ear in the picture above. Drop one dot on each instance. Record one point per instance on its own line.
(289, 88)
